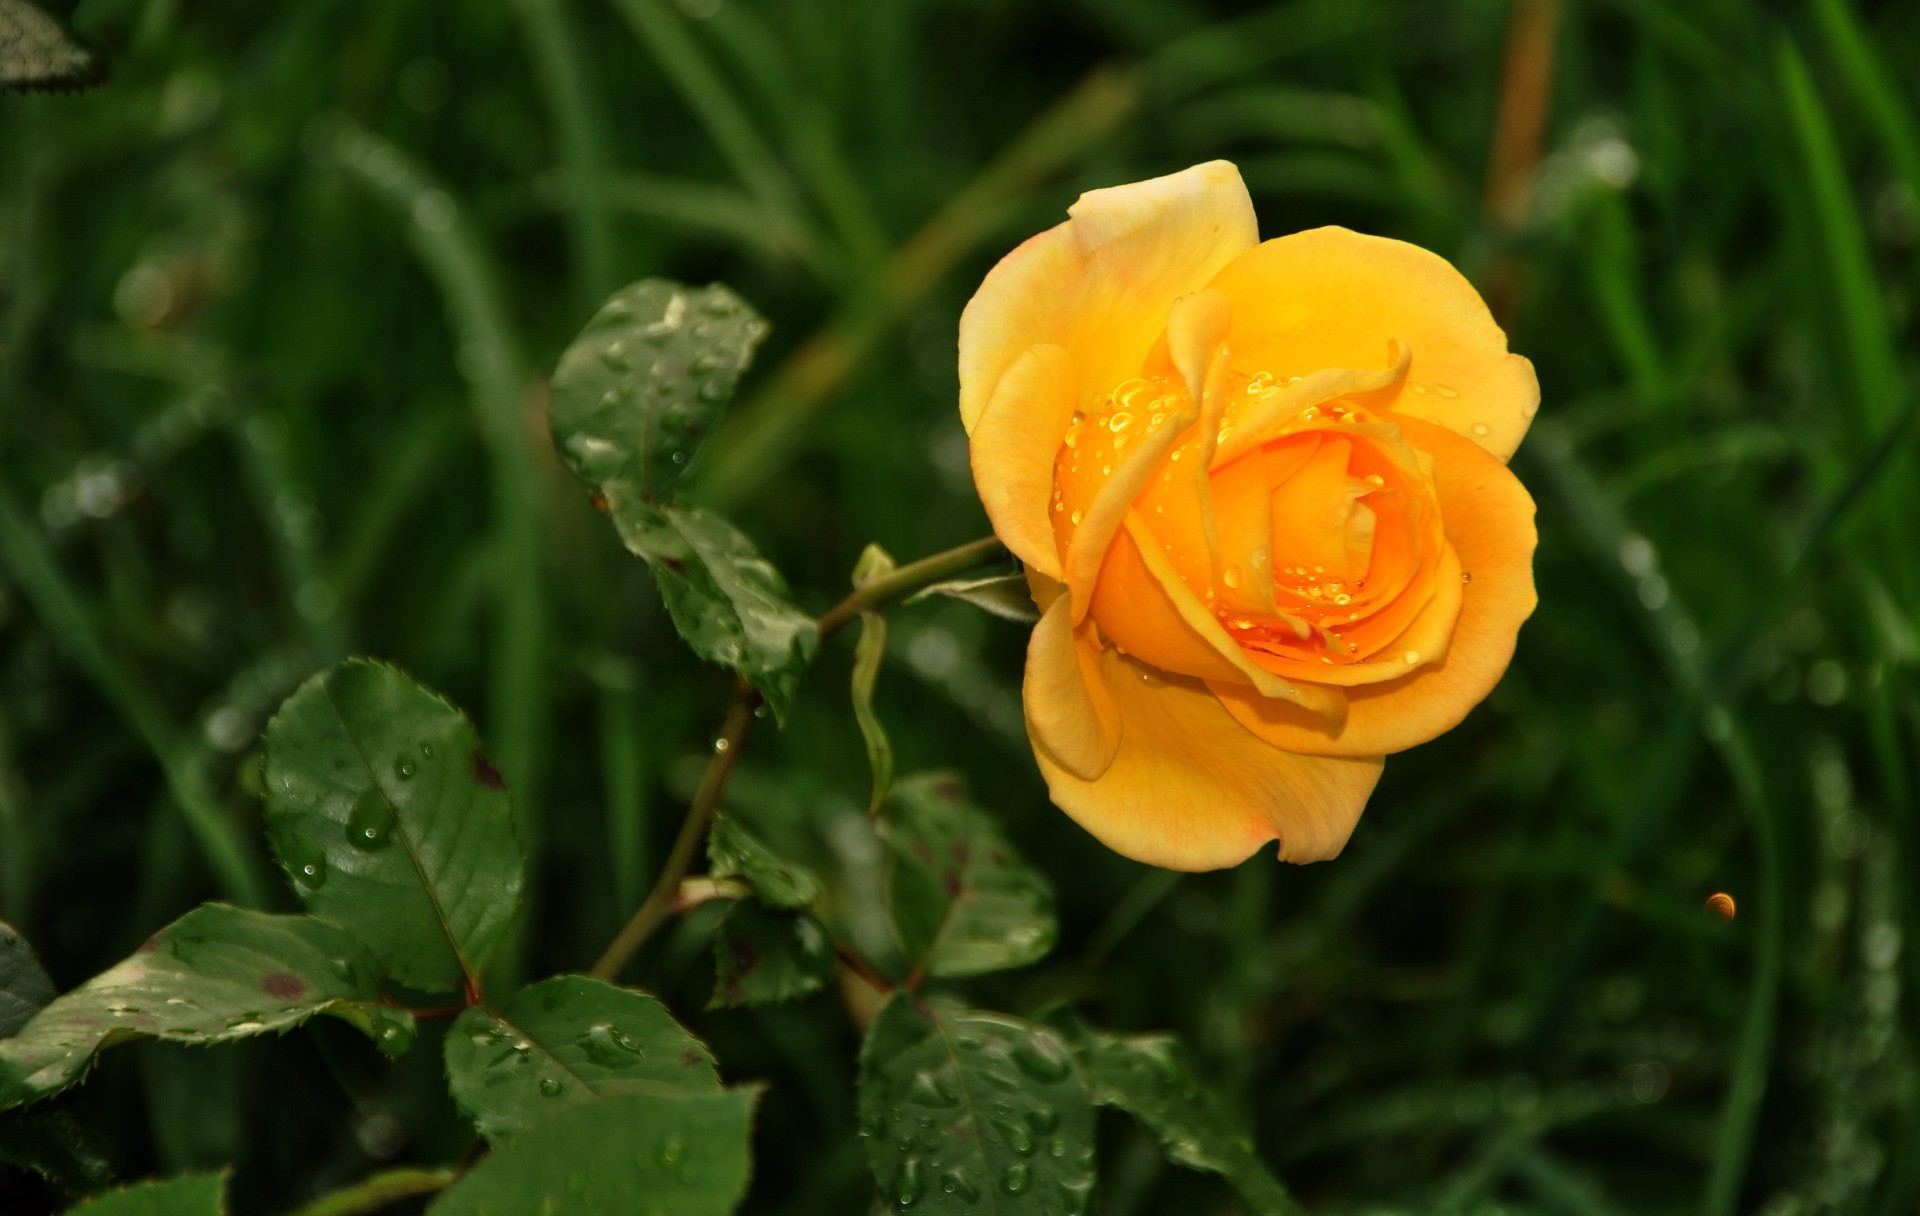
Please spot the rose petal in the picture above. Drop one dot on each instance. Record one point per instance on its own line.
(1489, 521)
(1070, 713)
(1334, 298)
(1012, 451)
(1101, 283)
(1189, 789)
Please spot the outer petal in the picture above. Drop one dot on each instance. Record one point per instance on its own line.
(1101, 283)
(1014, 442)
(1333, 298)
(1189, 789)
(1070, 713)
(1489, 520)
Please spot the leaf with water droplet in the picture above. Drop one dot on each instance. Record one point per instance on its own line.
(963, 901)
(382, 789)
(1148, 1077)
(196, 1195)
(618, 1155)
(761, 956)
(591, 1039)
(958, 1073)
(727, 602)
(642, 387)
(216, 974)
(735, 850)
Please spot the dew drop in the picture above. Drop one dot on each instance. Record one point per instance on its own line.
(672, 1151)
(908, 1185)
(1075, 517)
(550, 1087)
(426, 751)
(1232, 577)
(1016, 1179)
(370, 822)
(1411, 657)
(1466, 576)
(955, 1183)
(1043, 1119)
(404, 768)
(1040, 1065)
(1480, 428)
(246, 1027)
(1017, 1137)
(1446, 391)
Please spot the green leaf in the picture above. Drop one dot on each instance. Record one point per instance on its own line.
(969, 1112)
(762, 957)
(38, 51)
(215, 975)
(200, 1195)
(624, 1154)
(1001, 595)
(566, 1041)
(1148, 1077)
(726, 601)
(390, 820)
(735, 851)
(24, 986)
(963, 902)
(640, 389)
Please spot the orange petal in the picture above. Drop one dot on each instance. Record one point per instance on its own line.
(1489, 522)
(1070, 714)
(1189, 789)
(1324, 703)
(1093, 533)
(1376, 387)
(1101, 283)
(1334, 298)
(1012, 450)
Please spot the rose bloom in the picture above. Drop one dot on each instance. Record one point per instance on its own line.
(1260, 490)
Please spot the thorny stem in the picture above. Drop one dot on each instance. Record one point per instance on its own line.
(663, 900)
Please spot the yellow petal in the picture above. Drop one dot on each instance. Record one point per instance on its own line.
(1101, 283)
(1489, 523)
(1189, 789)
(1070, 714)
(1375, 387)
(1093, 533)
(1334, 298)
(1012, 451)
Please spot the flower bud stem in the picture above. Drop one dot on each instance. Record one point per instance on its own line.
(664, 899)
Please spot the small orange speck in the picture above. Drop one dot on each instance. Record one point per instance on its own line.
(1721, 904)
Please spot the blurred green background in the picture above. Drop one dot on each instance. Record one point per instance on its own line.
(275, 302)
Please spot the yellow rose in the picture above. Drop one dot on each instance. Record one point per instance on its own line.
(1260, 489)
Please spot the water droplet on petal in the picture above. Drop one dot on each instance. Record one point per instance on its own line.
(1411, 657)
(1480, 428)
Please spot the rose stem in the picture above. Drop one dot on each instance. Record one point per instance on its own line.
(660, 901)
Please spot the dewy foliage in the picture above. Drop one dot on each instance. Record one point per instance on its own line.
(634, 398)
(388, 817)
(765, 956)
(566, 1041)
(215, 975)
(629, 1153)
(963, 901)
(970, 1112)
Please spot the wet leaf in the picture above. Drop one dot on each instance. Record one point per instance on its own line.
(623, 1154)
(390, 820)
(640, 389)
(1148, 1077)
(762, 956)
(201, 1195)
(38, 51)
(963, 901)
(970, 1112)
(24, 986)
(215, 975)
(1002, 595)
(727, 602)
(736, 851)
(565, 1041)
